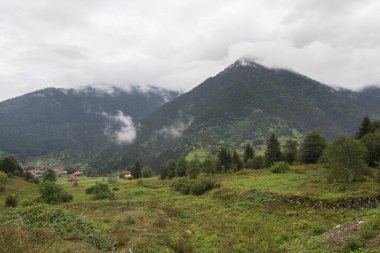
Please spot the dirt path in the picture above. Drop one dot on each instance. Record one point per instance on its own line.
(338, 235)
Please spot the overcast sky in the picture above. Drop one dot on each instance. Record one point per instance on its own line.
(178, 43)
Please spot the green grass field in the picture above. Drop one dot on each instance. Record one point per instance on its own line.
(147, 215)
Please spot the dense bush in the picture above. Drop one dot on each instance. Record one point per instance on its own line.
(202, 185)
(52, 193)
(194, 186)
(100, 191)
(182, 184)
(147, 172)
(11, 201)
(280, 167)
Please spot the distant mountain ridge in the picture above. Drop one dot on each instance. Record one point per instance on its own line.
(243, 103)
(73, 120)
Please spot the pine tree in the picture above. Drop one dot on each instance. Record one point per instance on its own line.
(248, 153)
(364, 128)
(224, 160)
(136, 171)
(273, 151)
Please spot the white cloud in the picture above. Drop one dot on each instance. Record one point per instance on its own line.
(124, 132)
(178, 44)
(176, 129)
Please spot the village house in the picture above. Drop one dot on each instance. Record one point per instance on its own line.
(127, 174)
(38, 173)
(78, 173)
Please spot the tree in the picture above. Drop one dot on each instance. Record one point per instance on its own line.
(208, 165)
(147, 172)
(237, 164)
(164, 172)
(224, 160)
(273, 151)
(312, 148)
(290, 152)
(10, 166)
(50, 175)
(249, 153)
(136, 170)
(194, 168)
(372, 142)
(364, 128)
(181, 167)
(52, 193)
(100, 191)
(346, 157)
(172, 167)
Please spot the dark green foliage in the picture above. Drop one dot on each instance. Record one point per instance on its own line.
(208, 165)
(181, 167)
(71, 121)
(257, 162)
(75, 183)
(100, 191)
(273, 151)
(69, 226)
(164, 172)
(136, 170)
(224, 161)
(172, 167)
(249, 153)
(312, 147)
(372, 142)
(242, 103)
(194, 168)
(28, 176)
(115, 189)
(10, 166)
(194, 186)
(280, 167)
(182, 184)
(50, 175)
(202, 185)
(290, 151)
(11, 201)
(147, 172)
(237, 163)
(346, 157)
(364, 128)
(52, 193)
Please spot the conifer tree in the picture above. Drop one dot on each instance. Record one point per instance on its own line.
(312, 147)
(136, 171)
(364, 128)
(290, 151)
(171, 169)
(273, 151)
(181, 167)
(249, 153)
(237, 164)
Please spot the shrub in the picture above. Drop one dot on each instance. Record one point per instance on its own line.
(100, 191)
(202, 185)
(115, 189)
(11, 201)
(2, 188)
(183, 185)
(147, 172)
(52, 193)
(257, 162)
(75, 183)
(194, 186)
(280, 167)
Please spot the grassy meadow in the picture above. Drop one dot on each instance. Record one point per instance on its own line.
(244, 214)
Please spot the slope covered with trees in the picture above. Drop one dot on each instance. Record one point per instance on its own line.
(244, 103)
(72, 120)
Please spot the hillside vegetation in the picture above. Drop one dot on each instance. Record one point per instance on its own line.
(249, 211)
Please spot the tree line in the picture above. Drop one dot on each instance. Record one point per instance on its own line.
(346, 157)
